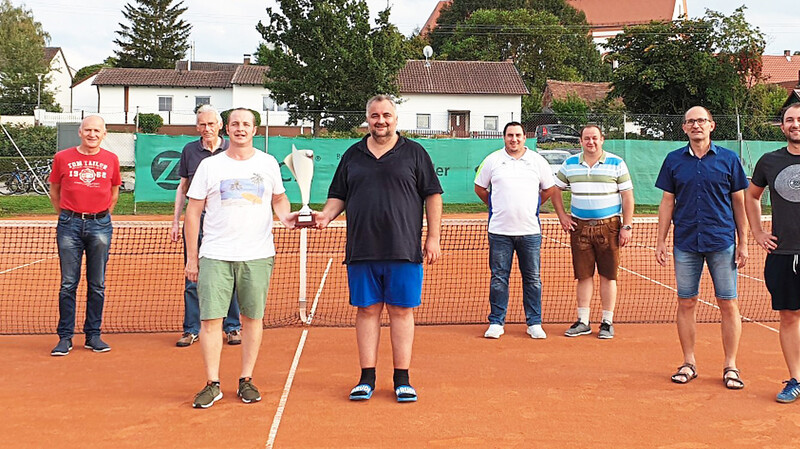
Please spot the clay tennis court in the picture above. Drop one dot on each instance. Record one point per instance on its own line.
(474, 392)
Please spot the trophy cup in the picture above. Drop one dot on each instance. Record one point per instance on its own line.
(301, 164)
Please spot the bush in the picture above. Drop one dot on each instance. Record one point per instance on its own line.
(225, 115)
(149, 123)
(31, 140)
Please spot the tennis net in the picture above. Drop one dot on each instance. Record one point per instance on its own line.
(144, 280)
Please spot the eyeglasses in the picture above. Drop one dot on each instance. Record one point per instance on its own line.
(699, 121)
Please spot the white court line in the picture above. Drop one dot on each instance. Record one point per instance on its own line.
(276, 421)
(27, 264)
(703, 301)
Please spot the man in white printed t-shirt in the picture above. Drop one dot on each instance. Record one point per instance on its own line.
(238, 190)
(514, 182)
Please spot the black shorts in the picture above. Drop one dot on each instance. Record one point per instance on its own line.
(782, 276)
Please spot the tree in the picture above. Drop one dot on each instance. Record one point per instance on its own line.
(324, 57)
(23, 69)
(582, 56)
(666, 68)
(156, 36)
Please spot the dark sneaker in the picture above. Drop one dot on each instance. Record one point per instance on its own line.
(96, 344)
(606, 330)
(186, 340)
(790, 392)
(63, 347)
(247, 391)
(578, 329)
(235, 337)
(207, 396)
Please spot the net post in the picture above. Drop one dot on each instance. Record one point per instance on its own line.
(303, 264)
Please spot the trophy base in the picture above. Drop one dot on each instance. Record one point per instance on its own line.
(305, 221)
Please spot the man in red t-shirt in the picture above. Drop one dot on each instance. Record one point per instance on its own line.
(84, 188)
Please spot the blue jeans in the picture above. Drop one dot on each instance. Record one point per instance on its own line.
(501, 254)
(191, 303)
(721, 265)
(74, 236)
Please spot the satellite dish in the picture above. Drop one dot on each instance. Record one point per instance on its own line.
(428, 52)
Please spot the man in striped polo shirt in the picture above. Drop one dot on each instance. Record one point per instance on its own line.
(601, 192)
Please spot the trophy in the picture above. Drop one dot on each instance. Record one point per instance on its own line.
(301, 164)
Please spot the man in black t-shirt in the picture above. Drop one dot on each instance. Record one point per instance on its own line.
(382, 182)
(780, 170)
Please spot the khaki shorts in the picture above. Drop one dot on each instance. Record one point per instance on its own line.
(595, 242)
(216, 280)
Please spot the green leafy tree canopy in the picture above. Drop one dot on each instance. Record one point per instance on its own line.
(323, 55)
(156, 36)
(23, 70)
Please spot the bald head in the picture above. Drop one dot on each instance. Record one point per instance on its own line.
(92, 132)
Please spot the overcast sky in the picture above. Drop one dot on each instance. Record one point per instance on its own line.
(225, 30)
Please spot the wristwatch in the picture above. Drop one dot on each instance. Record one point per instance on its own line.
(627, 227)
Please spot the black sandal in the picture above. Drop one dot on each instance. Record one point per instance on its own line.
(683, 378)
(733, 382)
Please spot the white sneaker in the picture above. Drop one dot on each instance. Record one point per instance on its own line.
(494, 331)
(536, 331)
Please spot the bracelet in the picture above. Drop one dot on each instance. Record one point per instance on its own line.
(626, 227)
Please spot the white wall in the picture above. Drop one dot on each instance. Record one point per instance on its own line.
(505, 107)
(84, 96)
(60, 81)
(112, 102)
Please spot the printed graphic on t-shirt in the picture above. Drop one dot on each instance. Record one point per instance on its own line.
(787, 183)
(87, 171)
(242, 191)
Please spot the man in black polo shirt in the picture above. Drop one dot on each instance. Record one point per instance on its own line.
(382, 182)
(209, 122)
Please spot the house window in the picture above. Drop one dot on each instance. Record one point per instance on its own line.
(490, 123)
(423, 121)
(164, 103)
(199, 101)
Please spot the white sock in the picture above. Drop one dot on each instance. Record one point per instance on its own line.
(608, 316)
(583, 315)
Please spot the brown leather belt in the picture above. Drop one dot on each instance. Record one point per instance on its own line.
(85, 216)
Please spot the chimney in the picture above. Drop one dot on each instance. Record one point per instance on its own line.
(788, 55)
(188, 64)
(247, 58)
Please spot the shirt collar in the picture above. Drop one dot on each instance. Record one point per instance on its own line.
(602, 159)
(711, 149)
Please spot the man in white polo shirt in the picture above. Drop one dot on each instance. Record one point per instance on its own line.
(601, 191)
(514, 182)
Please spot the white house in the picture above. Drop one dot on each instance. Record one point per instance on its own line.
(84, 95)
(176, 93)
(459, 98)
(60, 77)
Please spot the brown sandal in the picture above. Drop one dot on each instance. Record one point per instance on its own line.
(732, 382)
(683, 378)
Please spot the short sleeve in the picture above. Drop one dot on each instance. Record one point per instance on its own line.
(199, 190)
(338, 188)
(624, 181)
(546, 174)
(759, 173)
(739, 177)
(665, 181)
(275, 174)
(183, 164)
(484, 175)
(427, 182)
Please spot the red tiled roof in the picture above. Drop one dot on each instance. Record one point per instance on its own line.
(778, 70)
(431, 23)
(243, 75)
(50, 53)
(250, 74)
(208, 66)
(461, 77)
(162, 78)
(624, 12)
(590, 92)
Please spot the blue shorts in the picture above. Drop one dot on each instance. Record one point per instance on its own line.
(397, 283)
(721, 265)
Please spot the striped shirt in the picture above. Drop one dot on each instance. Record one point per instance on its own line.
(595, 189)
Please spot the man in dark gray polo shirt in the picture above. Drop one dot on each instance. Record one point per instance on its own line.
(209, 123)
(383, 181)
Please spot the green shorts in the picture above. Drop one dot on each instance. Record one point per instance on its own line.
(215, 282)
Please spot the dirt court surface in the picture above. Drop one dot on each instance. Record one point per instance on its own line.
(474, 393)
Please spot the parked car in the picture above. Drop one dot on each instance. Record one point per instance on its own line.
(555, 158)
(557, 133)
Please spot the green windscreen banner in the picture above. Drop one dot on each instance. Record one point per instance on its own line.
(455, 161)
